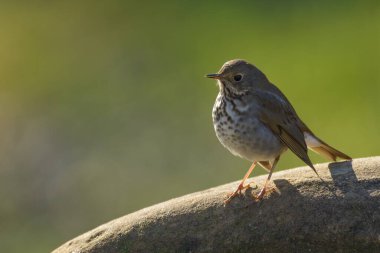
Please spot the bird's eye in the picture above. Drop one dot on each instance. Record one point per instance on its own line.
(238, 77)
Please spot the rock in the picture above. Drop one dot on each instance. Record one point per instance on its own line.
(341, 214)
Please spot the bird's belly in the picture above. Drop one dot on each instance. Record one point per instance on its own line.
(251, 140)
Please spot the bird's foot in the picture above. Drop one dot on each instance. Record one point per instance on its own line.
(265, 192)
(237, 192)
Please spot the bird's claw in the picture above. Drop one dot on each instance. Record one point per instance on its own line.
(237, 192)
(265, 192)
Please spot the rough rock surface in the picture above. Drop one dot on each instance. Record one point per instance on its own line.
(341, 214)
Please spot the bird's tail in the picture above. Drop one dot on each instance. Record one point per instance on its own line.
(322, 148)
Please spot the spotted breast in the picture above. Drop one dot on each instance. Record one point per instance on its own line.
(240, 131)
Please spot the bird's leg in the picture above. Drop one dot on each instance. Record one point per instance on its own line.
(241, 185)
(265, 189)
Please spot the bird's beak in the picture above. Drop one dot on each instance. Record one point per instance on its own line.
(214, 76)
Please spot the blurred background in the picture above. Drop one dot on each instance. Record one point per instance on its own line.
(104, 108)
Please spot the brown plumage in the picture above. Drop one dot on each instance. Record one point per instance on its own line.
(253, 119)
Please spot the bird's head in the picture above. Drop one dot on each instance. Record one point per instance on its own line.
(238, 76)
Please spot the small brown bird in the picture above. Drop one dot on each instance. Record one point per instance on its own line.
(254, 120)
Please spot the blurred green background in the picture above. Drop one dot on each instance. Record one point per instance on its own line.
(104, 108)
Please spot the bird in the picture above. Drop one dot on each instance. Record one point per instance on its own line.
(254, 120)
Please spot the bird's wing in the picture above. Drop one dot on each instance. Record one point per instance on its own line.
(279, 116)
